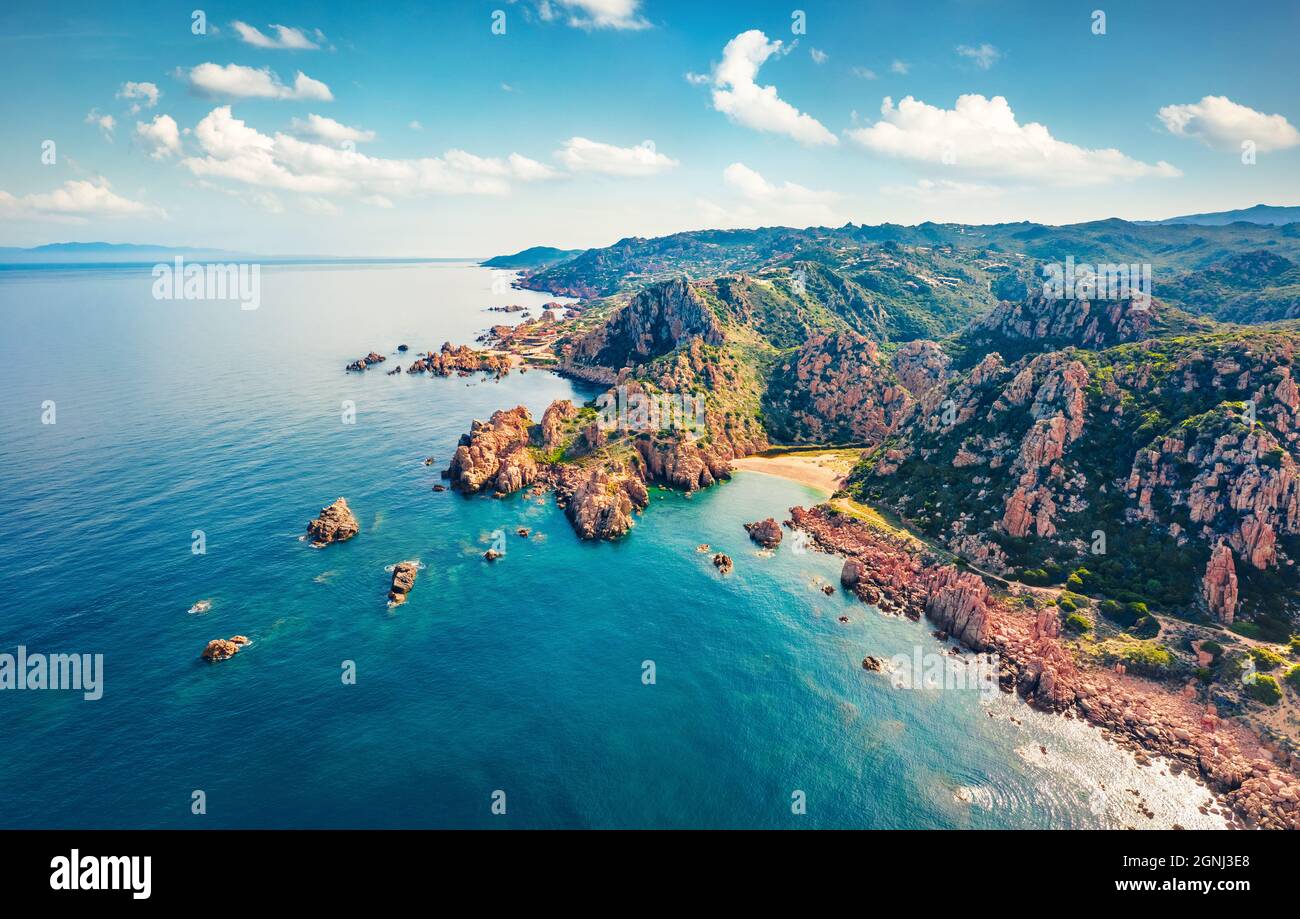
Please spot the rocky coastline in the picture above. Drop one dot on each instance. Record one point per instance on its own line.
(1035, 662)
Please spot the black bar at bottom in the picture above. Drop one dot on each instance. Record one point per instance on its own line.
(333, 867)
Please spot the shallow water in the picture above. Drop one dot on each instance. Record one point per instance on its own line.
(523, 676)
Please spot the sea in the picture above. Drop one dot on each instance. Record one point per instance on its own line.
(160, 461)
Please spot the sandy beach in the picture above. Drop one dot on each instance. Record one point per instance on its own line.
(824, 470)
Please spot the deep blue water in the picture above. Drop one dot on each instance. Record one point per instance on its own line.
(523, 676)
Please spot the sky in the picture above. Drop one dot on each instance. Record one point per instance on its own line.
(463, 128)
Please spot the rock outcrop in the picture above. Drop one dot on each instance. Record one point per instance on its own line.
(1219, 585)
(836, 388)
(403, 580)
(1060, 322)
(767, 533)
(495, 453)
(600, 502)
(921, 366)
(557, 415)
(723, 563)
(654, 322)
(369, 360)
(220, 649)
(461, 360)
(335, 524)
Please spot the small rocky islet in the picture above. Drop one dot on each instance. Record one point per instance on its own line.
(220, 649)
(404, 574)
(336, 523)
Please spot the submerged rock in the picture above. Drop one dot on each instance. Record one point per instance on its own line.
(335, 524)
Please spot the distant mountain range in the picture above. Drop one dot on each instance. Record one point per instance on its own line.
(1268, 214)
(101, 253)
(98, 253)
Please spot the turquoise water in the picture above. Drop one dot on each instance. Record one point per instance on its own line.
(523, 676)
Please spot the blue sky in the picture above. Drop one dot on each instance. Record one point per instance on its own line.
(416, 129)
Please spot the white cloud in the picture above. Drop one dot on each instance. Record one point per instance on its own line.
(76, 201)
(146, 93)
(900, 67)
(105, 123)
(237, 152)
(984, 57)
(595, 14)
(739, 97)
(582, 155)
(819, 56)
(982, 136)
(1222, 124)
(415, 125)
(320, 207)
(760, 202)
(161, 137)
(286, 38)
(865, 73)
(931, 190)
(240, 82)
(327, 129)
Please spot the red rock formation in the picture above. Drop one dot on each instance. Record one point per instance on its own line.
(369, 360)
(220, 649)
(495, 453)
(599, 502)
(767, 533)
(837, 388)
(554, 420)
(403, 580)
(1087, 324)
(653, 322)
(335, 524)
(1219, 585)
(461, 360)
(921, 366)
(957, 602)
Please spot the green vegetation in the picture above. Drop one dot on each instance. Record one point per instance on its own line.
(1264, 688)
(1266, 659)
(1077, 622)
(1138, 656)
